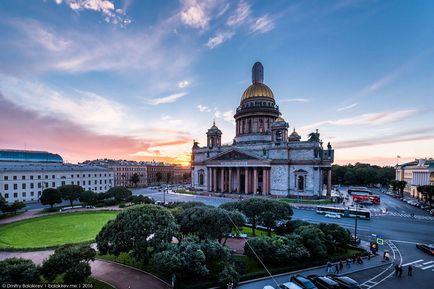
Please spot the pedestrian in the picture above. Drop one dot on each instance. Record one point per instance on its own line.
(396, 270)
(329, 267)
(359, 260)
(410, 270)
(369, 255)
(336, 268)
(341, 265)
(399, 271)
(354, 258)
(348, 263)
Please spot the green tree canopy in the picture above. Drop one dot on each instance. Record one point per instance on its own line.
(50, 197)
(18, 271)
(313, 239)
(14, 207)
(362, 174)
(140, 199)
(2, 203)
(88, 198)
(71, 260)
(135, 179)
(119, 193)
(335, 235)
(137, 229)
(70, 192)
(275, 212)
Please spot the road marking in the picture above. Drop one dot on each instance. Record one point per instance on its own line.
(406, 242)
(427, 267)
(412, 262)
(429, 262)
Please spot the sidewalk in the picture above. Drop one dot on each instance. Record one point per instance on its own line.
(259, 283)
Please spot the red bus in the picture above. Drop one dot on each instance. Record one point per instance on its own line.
(361, 197)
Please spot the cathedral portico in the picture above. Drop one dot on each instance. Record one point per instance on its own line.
(264, 158)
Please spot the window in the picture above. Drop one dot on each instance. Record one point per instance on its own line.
(39, 177)
(39, 185)
(63, 183)
(78, 175)
(88, 182)
(23, 177)
(100, 182)
(39, 193)
(24, 194)
(72, 176)
(72, 182)
(15, 195)
(23, 186)
(300, 183)
(15, 177)
(6, 196)
(6, 178)
(96, 182)
(32, 194)
(15, 186)
(32, 185)
(53, 184)
(53, 176)
(6, 187)
(46, 176)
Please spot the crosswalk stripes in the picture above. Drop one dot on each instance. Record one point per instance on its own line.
(421, 265)
(403, 215)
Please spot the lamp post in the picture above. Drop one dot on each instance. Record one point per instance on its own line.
(355, 227)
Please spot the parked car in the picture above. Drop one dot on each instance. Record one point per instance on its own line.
(345, 282)
(289, 285)
(268, 287)
(322, 282)
(303, 282)
(426, 248)
(333, 215)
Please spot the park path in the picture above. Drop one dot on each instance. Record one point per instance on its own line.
(117, 275)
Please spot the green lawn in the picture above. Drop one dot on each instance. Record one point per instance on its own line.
(248, 231)
(54, 230)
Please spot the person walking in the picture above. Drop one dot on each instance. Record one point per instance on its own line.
(410, 270)
(348, 263)
(341, 265)
(396, 270)
(336, 268)
(399, 271)
(329, 267)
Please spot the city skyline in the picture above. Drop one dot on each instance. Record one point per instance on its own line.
(134, 80)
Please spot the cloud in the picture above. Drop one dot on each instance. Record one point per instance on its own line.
(240, 15)
(167, 99)
(229, 116)
(347, 107)
(219, 38)
(401, 136)
(262, 24)
(366, 119)
(170, 120)
(183, 84)
(81, 107)
(294, 100)
(105, 7)
(203, 108)
(198, 13)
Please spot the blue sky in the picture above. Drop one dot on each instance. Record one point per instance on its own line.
(141, 79)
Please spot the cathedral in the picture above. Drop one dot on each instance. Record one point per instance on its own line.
(263, 159)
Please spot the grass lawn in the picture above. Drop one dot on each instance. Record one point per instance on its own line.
(53, 230)
(259, 232)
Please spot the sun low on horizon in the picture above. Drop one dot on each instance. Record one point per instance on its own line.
(144, 80)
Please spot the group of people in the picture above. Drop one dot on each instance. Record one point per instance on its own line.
(398, 270)
(339, 266)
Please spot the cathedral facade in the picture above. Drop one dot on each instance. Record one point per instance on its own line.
(263, 159)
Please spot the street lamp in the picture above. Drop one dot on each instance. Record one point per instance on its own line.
(355, 226)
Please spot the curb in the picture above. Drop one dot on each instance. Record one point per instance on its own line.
(137, 269)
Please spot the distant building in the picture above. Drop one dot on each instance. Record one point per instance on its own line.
(264, 157)
(181, 174)
(25, 174)
(419, 172)
(124, 171)
(159, 173)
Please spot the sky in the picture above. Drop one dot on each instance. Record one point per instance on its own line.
(140, 80)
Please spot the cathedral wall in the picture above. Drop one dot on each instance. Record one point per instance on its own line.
(279, 180)
(195, 178)
(312, 180)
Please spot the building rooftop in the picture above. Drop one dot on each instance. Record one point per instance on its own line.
(61, 167)
(29, 156)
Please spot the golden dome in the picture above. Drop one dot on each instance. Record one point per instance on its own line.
(279, 119)
(257, 90)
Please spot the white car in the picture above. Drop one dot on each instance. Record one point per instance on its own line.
(268, 287)
(289, 285)
(333, 215)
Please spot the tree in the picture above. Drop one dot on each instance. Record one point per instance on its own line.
(2, 203)
(313, 239)
(401, 187)
(14, 207)
(50, 197)
(159, 177)
(135, 179)
(88, 198)
(119, 193)
(274, 212)
(73, 261)
(137, 229)
(140, 199)
(428, 192)
(70, 192)
(18, 271)
(252, 208)
(335, 235)
(209, 222)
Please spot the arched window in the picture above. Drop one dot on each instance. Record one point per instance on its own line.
(200, 177)
(300, 183)
(261, 125)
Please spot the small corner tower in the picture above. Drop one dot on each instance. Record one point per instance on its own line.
(214, 137)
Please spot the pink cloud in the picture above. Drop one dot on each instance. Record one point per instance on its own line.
(26, 129)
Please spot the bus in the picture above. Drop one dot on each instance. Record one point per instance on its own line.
(344, 212)
(366, 198)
